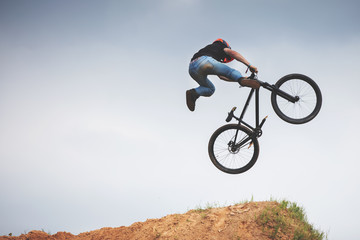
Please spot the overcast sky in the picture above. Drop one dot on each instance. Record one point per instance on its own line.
(95, 132)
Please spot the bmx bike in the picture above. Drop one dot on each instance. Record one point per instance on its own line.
(234, 148)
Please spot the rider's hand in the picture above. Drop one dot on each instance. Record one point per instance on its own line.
(253, 69)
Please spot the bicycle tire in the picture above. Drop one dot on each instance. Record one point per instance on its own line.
(228, 161)
(308, 105)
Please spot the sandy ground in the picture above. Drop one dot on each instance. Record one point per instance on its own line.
(233, 222)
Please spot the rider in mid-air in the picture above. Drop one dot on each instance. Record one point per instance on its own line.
(210, 61)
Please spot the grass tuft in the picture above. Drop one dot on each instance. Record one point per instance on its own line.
(285, 217)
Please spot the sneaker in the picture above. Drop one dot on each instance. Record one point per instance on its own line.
(247, 82)
(191, 97)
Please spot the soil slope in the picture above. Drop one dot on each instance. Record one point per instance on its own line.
(241, 221)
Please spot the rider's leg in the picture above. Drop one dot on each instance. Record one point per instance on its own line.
(205, 89)
(198, 70)
(234, 75)
(222, 69)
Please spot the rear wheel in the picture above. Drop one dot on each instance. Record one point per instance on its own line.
(308, 94)
(233, 148)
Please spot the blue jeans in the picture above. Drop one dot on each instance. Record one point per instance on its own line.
(203, 66)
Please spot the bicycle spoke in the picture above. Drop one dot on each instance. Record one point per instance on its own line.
(306, 103)
(226, 156)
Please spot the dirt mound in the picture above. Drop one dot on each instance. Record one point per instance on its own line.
(254, 220)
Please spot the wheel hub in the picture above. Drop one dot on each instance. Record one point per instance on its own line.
(232, 148)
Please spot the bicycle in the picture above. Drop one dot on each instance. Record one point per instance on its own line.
(234, 148)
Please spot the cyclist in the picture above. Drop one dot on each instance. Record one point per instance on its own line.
(211, 60)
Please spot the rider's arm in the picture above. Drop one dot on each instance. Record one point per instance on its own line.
(240, 58)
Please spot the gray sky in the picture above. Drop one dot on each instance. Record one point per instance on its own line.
(94, 130)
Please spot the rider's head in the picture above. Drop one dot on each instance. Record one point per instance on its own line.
(226, 60)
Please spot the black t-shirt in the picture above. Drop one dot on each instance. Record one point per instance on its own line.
(215, 50)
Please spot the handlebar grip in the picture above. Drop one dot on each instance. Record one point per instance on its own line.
(230, 115)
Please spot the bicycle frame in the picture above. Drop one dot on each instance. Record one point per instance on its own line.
(257, 129)
(234, 148)
(240, 119)
(269, 87)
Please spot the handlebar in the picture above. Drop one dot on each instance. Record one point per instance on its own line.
(253, 75)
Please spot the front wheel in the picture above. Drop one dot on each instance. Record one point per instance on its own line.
(308, 96)
(233, 148)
